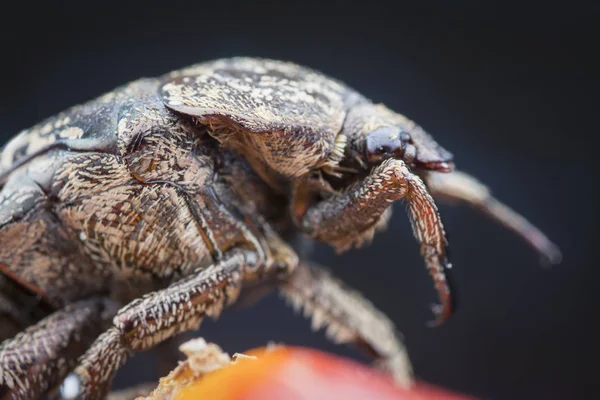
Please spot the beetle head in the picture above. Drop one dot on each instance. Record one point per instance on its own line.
(376, 133)
(389, 142)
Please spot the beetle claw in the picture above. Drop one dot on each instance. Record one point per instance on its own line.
(440, 270)
(445, 308)
(438, 310)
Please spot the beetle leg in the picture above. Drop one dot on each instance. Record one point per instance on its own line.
(350, 217)
(157, 316)
(460, 186)
(37, 359)
(348, 318)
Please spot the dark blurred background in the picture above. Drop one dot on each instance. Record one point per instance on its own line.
(510, 89)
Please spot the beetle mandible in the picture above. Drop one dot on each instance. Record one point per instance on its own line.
(127, 220)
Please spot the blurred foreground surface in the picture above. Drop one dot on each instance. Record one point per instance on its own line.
(280, 372)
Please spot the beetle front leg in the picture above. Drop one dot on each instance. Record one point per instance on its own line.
(157, 316)
(348, 318)
(38, 359)
(345, 219)
(463, 187)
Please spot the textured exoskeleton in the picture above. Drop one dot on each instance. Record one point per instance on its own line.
(130, 218)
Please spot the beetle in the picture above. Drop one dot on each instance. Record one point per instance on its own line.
(128, 219)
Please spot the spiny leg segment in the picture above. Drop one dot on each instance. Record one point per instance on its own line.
(348, 318)
(348, 218)
(157, 316)
(38, 359)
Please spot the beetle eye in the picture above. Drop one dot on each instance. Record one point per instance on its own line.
(386, 142)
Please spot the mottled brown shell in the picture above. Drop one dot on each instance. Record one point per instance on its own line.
(283, 108)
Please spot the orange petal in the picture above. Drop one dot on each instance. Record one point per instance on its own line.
(293, 373)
